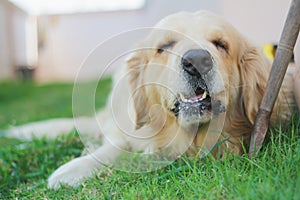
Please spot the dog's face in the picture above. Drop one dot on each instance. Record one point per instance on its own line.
(195, 65)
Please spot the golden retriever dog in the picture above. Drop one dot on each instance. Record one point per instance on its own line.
(193, 86)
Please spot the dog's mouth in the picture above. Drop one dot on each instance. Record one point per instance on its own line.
(193, 104)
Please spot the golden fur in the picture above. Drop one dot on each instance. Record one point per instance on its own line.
(244, 71)
(152, 80)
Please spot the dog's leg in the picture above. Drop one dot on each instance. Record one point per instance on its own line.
(48, 128)
(81, 168)
(53, 128)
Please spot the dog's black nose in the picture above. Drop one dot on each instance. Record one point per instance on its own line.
(197, 62)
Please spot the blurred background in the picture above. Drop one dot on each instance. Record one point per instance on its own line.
(48, 40)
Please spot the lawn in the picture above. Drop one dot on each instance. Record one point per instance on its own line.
(25, 166)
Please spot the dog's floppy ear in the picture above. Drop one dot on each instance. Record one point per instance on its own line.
(136, 64)
(254, 74)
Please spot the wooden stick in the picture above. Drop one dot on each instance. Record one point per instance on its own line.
(283, 55)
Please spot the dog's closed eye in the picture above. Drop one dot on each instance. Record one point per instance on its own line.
(165, 46)
(221, 45)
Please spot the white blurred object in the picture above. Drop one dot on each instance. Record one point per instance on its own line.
(38, 7)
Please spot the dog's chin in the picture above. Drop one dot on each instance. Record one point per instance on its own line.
(191, 116)
(187, 121)
(193, 110)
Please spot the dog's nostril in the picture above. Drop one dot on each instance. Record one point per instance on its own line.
(189, 67)
(187, 64)
(197, 62)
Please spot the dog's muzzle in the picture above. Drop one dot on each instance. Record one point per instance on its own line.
(195, 63)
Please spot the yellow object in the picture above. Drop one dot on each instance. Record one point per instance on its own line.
(269, 51)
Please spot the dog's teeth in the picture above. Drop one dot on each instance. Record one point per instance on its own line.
(183, 99)
(204, 95)
(186, 100)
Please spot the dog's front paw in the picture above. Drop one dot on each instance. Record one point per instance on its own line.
(73, 172)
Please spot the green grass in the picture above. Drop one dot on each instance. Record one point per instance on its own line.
(25, 166)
